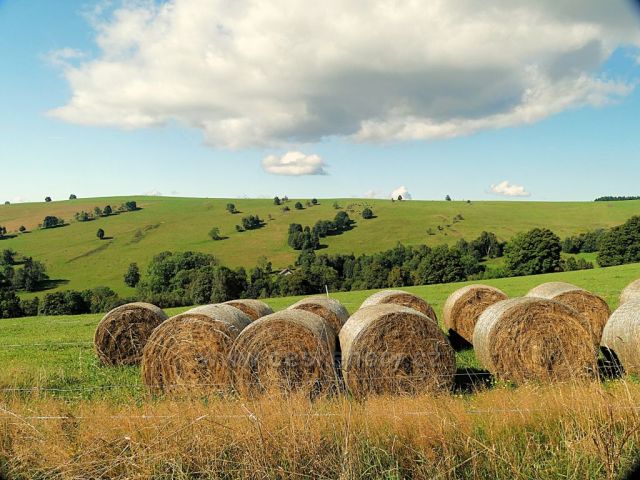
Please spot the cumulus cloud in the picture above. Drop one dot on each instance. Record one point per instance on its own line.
(247, 74)
(294, 164)
(64, 56)
(401, 191)
(507, 189)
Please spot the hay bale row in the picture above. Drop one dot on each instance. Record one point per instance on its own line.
(254, 309)
(288, 351)
(464, 306)
(524, 339)
(592, 307)
(631, 292)
(189, 351)
(329, 309)
(392, 349)
(621, 336)
(123, 332)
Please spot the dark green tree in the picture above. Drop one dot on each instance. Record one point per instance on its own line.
(314, 201)
(73, 197)
(51, 222)
(276, 200)
(47, 199)
(100, 234)
(9, 304)
(107, 211)
(367, 213)
(447, 198)
(298, 206)
(132, 277)
(22, 229)
(214, 233)
(621, 244)
(231, 208)
(533, 252)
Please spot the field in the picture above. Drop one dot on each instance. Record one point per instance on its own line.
(63, 416)
(76, 259)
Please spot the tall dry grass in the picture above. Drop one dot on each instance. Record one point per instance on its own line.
(579, 431)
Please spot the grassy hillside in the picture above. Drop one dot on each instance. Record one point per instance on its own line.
(74, 253)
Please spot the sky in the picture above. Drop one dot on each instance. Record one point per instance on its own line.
(492, 100)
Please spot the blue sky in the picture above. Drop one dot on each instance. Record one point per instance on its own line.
(587, 149)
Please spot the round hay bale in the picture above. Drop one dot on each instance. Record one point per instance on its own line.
(465, 305)
(188, 352)
(254, 309)
(123, 332)
(329, 309)
(400, 297)
(525, 339)
(287, 351)
(391, 349)
(621, 336)
(593, 307)
(631, 292)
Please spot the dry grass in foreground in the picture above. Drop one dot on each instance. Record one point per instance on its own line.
(565, 431)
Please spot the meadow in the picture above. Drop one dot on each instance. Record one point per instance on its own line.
(76, 259)
(64, 416)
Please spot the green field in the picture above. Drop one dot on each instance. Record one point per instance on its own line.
(57, 352)
(79, 260)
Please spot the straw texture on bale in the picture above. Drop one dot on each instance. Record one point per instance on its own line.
(391, 349)
(123, 332)
(464, 306)
(524, 339)
(400, 297)
(631, 292)
(253, 308)
(329, 309)
(621, 335)
(591, 306)
(287, 351)
(189, 352)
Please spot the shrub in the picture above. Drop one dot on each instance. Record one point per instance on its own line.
(367, 213)
(298, 206)
(52, 222)
(214, 233)
(231, 208)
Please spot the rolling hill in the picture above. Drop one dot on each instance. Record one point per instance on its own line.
(79, 260)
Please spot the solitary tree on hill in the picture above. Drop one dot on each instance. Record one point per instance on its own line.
(367, 213)
(298, 206)
(72, 196)
(214, 233)
(107, 210)
(399, 198)
(47, 199)
(447, 198)
(100, 233)
(132, 277)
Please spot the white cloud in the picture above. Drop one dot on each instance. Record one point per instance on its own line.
(401, 191)
(247, 74)
(153, 193)
(372, 193)
(64, 56)
(507, 189)
(295, 164)
(19, 199)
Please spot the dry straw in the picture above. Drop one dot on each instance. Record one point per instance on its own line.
(331, 310)
(253, 308)
(188, 352)
(391, 349)
(123, 332)
(525, 339)
(288, 351)
(621, 336)
(400, 297)
(464, 306)
(591, 306)
(631, 292)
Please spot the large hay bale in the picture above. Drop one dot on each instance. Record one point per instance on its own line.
(593, 307)
(287, 351)
(330, 309)
(123, 332)
(254, 309)
(525, 339)
(400, 297)
(621, 336)
(464, 306)
(188, 352)
(631, 292)
(391, 349)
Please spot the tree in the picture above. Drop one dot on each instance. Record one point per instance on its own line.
(239, 228)
(367, 213)
(399, 198)
(533, 252)
(342, 222)
(97, 211)
(336, 206)
(47, 199)
(9, 304)
(132, 277)
(276, 200)
(7, 202)
(447, 198)
(52, 222)
(487, 245)
(298, 206)
(72, 197)
(100, 234)
(621, 244)
(3, 231)
(231, 208)
(214, 233)
(8, 257)
(131, 206)
(30, 276)
(252, 222)
(285, 209)
(314, 201)
(22, 229)
(107, 211)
